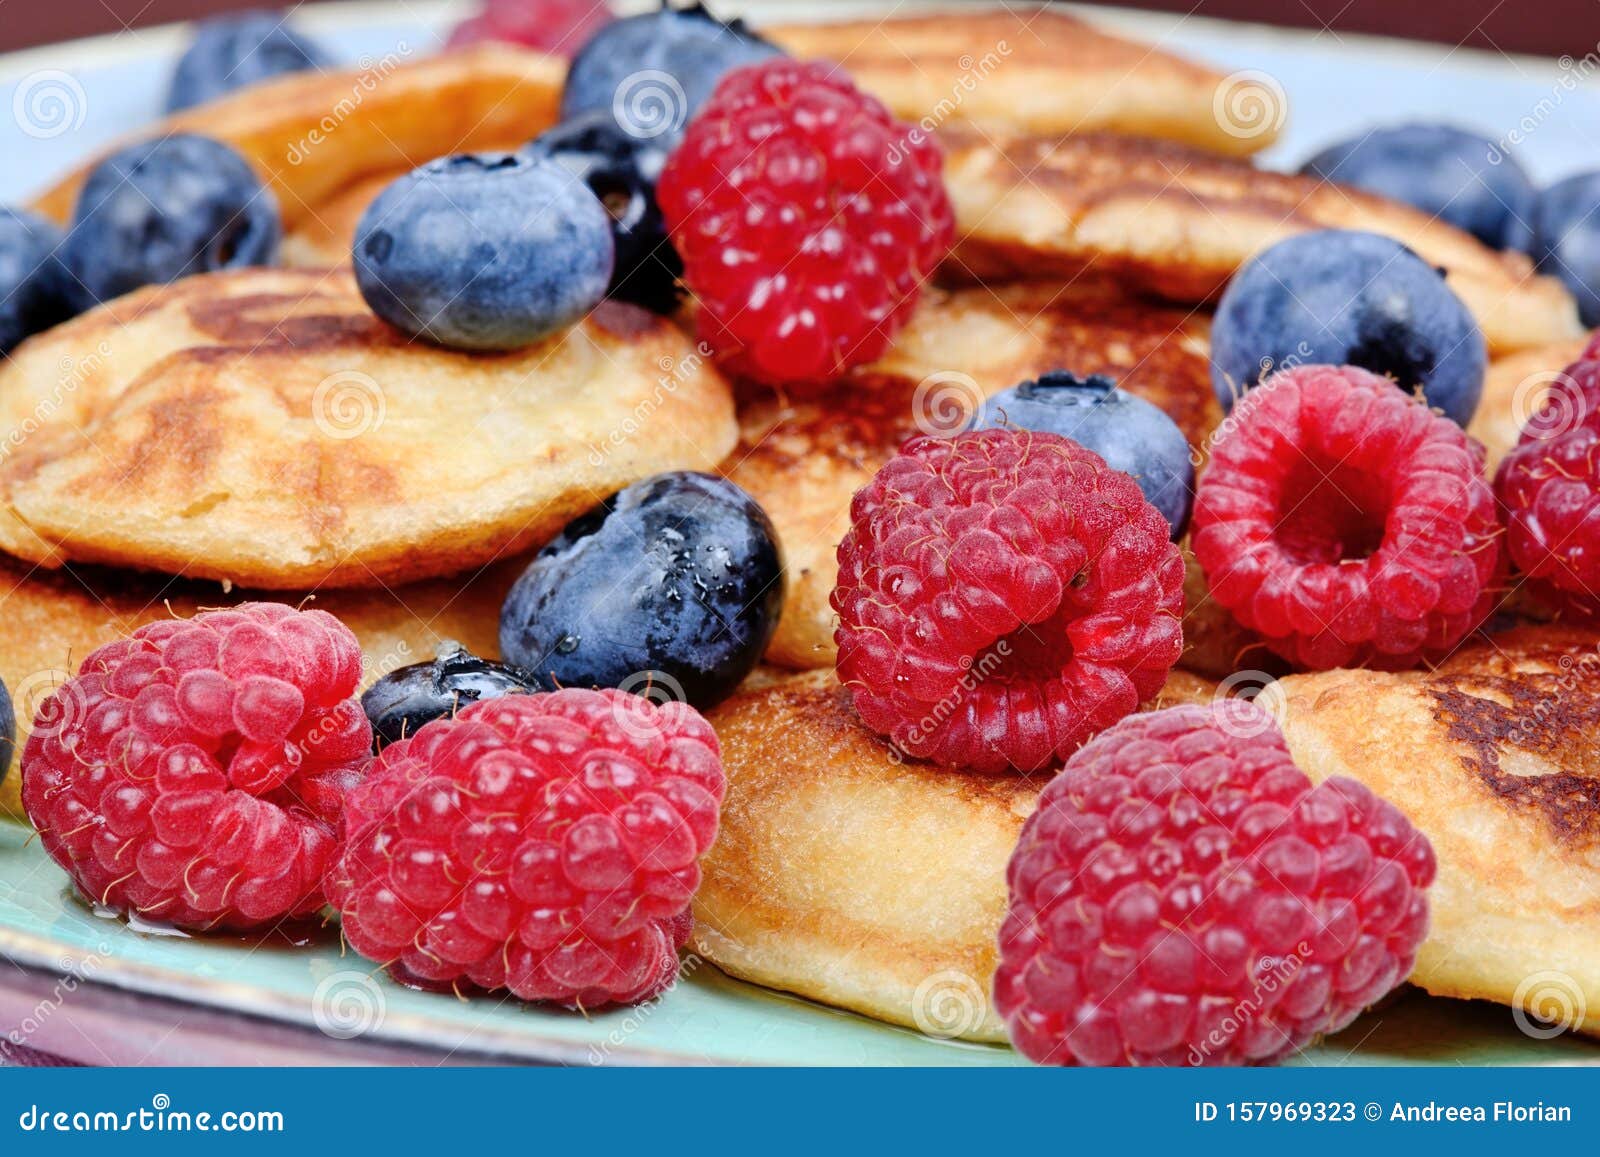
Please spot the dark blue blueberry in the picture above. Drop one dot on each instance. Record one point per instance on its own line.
(1334, 297)
(622, 172)
(8, 731)
(652, 72)
(230, 52)
(34, 287)
(1131, 434)
(1566, 239)
(402, 701)
(484, 252)
(1446, 172)
(164, 209)
(676, 576)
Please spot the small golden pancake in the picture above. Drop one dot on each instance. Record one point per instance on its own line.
(849, 876)
(1493, 757)
(804, 455)
(51, 620)
(1514, 389)
(262, 427)
(1036, 69)
(312, 136)
(1178, 222)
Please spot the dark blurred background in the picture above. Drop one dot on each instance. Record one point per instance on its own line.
(1550, 27)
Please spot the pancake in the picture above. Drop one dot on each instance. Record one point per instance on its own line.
(850, 877)
(1514, 389)
(313, 136)
(262, 427)
(804, 455)
(51, 620)
(1039, 70)
(1493, 757)
(1177, 222)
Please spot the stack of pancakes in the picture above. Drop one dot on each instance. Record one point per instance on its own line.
(187, 443)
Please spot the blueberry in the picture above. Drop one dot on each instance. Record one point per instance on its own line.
(8, 732)
(676, 576)
(230, 52)
(622, 171)
(484, 252)
(1334, 297)
(35, 291)
(1566, 239)
(402, 701)
(164, 209)
(1128, 432)
(652, 72)
(1446, 172)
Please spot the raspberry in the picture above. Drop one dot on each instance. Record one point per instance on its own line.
(1003, 595)
(542, 843)
(807, 219)
(1346, 523)
(560, 27)
(1549, 490)
(1183, 895)
(194, 772)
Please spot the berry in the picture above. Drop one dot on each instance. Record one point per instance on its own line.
(8, 732)
(164, 209)
(1566, 239)
(194, 772)
(545, 844)
(622, 172)
(807, 218)
(1184, 896)
(672, 586)
(1457, 176)
(232, 52)
(1548, 487)
(1346, 523)
(555, 26)
(35, 290)
(1002, 596)
(492, 251)
(1128, 432)
(1334, 297)
(398, 704)
(650, 73)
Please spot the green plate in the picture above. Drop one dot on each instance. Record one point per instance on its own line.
(706, 1018)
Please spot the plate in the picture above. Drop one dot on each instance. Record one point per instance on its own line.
(94, 989)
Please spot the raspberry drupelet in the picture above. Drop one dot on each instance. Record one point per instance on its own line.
(1346, 523)
(194, 773)
(807, 219)
(1184, 896)
(1003, 595)
(547, 844)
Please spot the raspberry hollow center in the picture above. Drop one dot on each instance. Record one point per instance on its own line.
(1331, 515)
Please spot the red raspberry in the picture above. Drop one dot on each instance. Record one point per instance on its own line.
(1183, 895)
(807, 219)
(560, 27)
(1549, 490)
(1345, 522)
(541, 843)
(1002, 596)
(194, 772)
